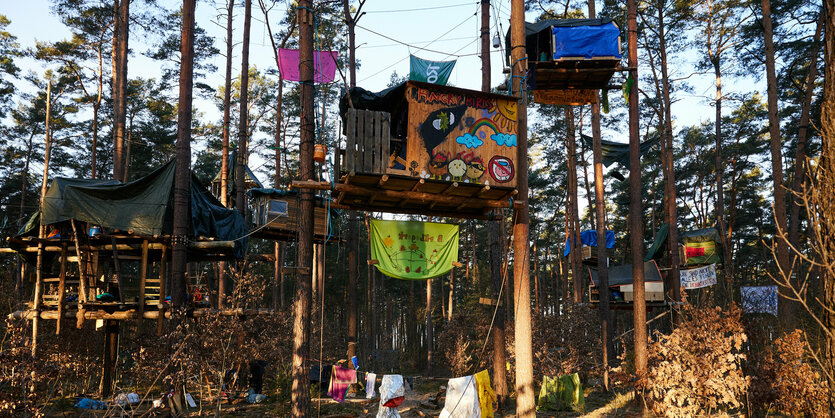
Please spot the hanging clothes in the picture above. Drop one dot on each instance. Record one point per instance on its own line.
(392, 394)
(341, 378)
(461, 399)
(370, 381)
(486, 394)
(563, 393)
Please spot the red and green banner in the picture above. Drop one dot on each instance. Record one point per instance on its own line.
(413, 250)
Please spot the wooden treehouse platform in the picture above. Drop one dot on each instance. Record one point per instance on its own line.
(133, 269)
(574, 73)
(451, 152)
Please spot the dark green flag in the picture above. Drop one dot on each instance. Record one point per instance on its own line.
(435, 72)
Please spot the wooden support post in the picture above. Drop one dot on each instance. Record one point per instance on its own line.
(143, 275)
(450, 187)
(36, 305)
(82, 277)
(162, 288)
(417, 185)
(62, 285)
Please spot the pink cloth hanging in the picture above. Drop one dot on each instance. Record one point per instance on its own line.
(324, 65)
(341, 378)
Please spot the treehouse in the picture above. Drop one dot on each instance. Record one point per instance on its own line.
(275, 215)
(621, 288)
(425, 149)
(107, 245)
(568, 59)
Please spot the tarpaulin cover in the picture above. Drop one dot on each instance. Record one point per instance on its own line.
(565, 392)
(144, 206)
(702, 246)
(435, 72)
(542, 30)
(590, 238)
(759, 299)
(461, 399)
(659, 243)
(413, 250)
(391, 100)
(392, 393)
(586, 41)
(324, 65)
(622, 274)
(617, 152)
(231, 174)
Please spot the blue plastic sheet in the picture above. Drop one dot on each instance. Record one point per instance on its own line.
(590, 238)
(586, 41)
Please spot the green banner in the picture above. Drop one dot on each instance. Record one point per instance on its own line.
(435, 72)
(413, 250)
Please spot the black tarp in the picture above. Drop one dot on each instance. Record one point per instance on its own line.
(622, 274)
(391, 100)
(617, 152)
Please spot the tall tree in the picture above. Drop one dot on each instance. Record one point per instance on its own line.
(183, 179)
(121, 22)
(302, 305)
(243, 130)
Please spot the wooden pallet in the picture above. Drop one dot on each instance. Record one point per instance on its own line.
(574, 73)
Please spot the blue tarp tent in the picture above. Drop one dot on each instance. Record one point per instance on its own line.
(590, 238)
(586, 41)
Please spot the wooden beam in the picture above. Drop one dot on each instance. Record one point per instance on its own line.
(398, 194)
(94, 314)
(162, 290)
(418, 184)
(449, 188)
(383, 179)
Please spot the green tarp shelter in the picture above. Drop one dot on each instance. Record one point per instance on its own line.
(659, 244)
(617, 152)
(702, 246)
(144, 206)
(563, 393)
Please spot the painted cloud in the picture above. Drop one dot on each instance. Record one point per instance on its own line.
(472, 141)
(507, 140)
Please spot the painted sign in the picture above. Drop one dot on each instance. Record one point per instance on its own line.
(699, 277)
(463, 136)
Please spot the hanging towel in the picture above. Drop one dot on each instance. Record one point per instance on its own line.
(486, 394)
(392, 394)
(370, 380)
(341, 378)
(563, 393)
(461, 399)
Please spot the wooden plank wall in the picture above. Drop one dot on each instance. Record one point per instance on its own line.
(367, 145)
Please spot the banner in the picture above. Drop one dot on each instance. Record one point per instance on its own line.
(324, 65)
(759, 299)
(413, 250)
(698, 277)
(435, 72)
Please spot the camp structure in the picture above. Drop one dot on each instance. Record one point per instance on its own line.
(568, 59)
(250, 180)
(275, 216)
(701, 247)
(425, 149)
(108, 245)
(621, 291)
(588, 243)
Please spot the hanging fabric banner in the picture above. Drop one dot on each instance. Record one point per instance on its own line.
(759, 299)
(413, 250)
(324, 65)
(435, 72)
(698, 277)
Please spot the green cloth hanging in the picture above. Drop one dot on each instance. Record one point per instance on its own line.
(413, 250)
(605, 101)
(563, 393)
(627, 88)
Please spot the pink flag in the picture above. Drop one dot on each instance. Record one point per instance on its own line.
(324, 65)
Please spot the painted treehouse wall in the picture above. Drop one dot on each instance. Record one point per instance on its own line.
(459, 135)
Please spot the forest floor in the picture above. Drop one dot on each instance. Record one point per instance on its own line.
(426, 400)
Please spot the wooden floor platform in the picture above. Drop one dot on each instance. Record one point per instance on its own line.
(413, 195)
(569, 73)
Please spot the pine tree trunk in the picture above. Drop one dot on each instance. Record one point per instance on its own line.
(120, 83)
(243, 122)
(573, 206)
(300, 395)
(787, 307)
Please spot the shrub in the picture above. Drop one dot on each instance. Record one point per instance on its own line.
(697, 369)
